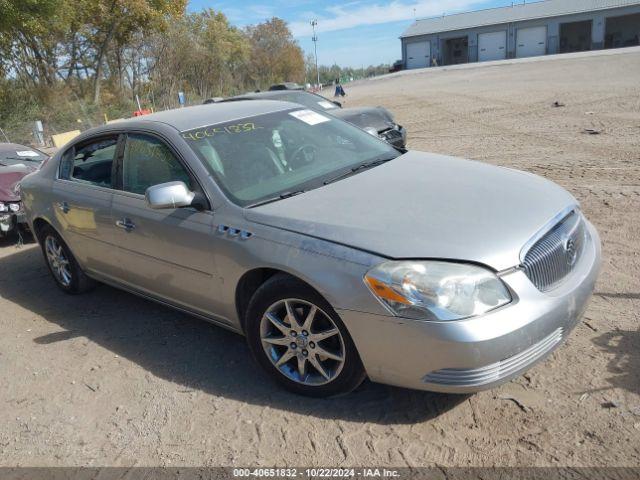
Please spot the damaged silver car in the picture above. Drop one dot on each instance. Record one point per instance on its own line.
(336, 255)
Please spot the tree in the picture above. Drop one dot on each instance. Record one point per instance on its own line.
(202, 54)
(71, 61)
(275, 55)
(29, 35)
(110, 22)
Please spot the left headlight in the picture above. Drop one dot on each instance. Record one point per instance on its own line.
(14, 207)
(434, 290)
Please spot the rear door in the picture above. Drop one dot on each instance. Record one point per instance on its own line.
(82, 196)
(165, 253)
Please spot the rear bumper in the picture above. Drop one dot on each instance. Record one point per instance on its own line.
(480, 353)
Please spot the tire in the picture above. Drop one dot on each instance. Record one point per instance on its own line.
(326, 367)
(73, 280)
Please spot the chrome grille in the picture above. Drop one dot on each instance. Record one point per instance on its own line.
(551, 258)
(475, 377)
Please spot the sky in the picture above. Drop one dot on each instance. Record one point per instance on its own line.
(355, 33)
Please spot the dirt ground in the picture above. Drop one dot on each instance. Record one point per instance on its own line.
(111, 379)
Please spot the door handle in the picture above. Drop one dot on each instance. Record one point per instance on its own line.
(64, 206)
(125, 224)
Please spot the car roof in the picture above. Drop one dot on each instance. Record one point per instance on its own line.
(188, 118)
(270, 94)
(287, 86)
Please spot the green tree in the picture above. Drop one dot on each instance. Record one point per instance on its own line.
(202, 54)
(30, 31)
(115, 22)
(275, 55)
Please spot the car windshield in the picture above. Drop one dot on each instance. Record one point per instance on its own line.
(278, 154)
(309, 100)
(21, 155)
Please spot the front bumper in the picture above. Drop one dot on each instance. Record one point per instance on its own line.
(480, 353)
(9, 221)
(395, 136)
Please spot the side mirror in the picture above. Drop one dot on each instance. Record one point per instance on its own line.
(169, 195)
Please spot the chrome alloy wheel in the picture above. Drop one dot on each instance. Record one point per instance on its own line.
(58, 261)
(302, 342)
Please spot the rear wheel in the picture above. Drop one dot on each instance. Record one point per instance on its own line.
(297, 337)
(62, 264)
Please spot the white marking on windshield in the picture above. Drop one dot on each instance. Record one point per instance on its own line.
(27, 153)
(309, 117)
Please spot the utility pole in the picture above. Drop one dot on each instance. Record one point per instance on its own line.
(315, 48)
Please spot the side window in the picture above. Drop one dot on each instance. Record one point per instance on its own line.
(147, 161)
(91, 163)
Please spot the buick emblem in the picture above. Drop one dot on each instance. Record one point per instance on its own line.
(571, 254)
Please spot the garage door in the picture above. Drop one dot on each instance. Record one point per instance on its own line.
(418, 54)
(492, 46)
(531, 42)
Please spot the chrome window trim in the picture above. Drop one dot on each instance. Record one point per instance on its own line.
(87, 185)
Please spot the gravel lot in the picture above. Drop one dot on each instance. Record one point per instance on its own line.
(111, 379)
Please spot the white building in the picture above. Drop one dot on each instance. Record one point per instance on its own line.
(522, 30)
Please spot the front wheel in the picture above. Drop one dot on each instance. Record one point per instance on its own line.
(296, 336)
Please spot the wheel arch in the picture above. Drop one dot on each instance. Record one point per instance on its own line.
(252, 280)
(39, 224)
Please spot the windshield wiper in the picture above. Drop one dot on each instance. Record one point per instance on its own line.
(282, 196)
(359, 168)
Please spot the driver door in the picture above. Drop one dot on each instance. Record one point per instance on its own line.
(164, 253)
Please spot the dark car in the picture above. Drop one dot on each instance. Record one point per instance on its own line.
(397, 66)
(286, 86)
(16, 161)
(375, 120)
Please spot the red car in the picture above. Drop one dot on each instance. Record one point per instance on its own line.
(16, 161)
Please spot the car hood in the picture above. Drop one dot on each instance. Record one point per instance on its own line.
(426, 206)
(9, 179)
(364, 117)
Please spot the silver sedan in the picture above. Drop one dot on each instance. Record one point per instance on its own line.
(336, 255)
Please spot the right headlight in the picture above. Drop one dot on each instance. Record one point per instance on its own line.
(3, 207)
(435, 290)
